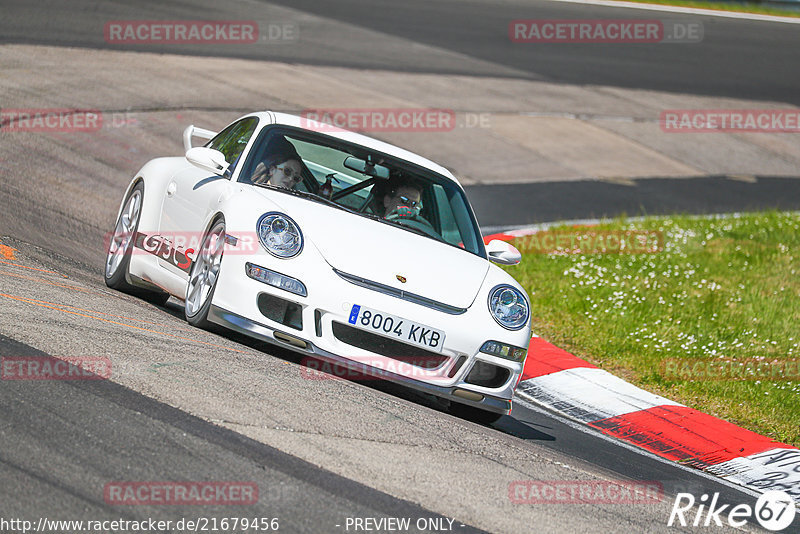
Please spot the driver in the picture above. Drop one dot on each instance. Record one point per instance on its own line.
(403, 198)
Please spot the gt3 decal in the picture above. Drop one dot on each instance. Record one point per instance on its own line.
(160, 246)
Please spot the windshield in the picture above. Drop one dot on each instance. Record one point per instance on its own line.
(365, 182)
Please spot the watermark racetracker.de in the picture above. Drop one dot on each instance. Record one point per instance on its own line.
(64, 120)
(181, 493)
(180, 248)
(202, 32)
(43, 120)
(730, 120)
(730, 370)
(591, 241)
(391, 119)
(625, 31)
(146, 525)
(51, 368)
(362, 368)
(585, 492)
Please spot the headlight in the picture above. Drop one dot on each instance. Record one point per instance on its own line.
(509, 307)
(280, 235)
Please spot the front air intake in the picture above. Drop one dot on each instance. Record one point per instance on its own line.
(487, 375)
(280, 310)
(390, 348)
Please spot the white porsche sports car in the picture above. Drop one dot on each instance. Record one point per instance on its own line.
(332, 244)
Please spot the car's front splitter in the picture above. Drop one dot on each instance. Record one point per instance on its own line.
(257, 330)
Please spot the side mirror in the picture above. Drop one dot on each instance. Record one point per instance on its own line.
(207, 159)
(503, 253)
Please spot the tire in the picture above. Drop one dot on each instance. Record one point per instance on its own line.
(470, 413)
(118, 256)
(204, 274)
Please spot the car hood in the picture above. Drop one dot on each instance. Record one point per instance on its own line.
(383, 253)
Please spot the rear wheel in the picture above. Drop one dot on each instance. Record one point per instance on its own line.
(204, 274)
(470, 413)
(121, 244)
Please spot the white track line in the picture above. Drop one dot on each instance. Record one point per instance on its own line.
(688, 10)
(589, 394)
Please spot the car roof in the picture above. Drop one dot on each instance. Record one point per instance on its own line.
(288, 119)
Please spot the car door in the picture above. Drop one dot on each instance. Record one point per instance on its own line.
(194, 194)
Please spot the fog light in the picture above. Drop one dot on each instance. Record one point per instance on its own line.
(281, 281)
(501, 350)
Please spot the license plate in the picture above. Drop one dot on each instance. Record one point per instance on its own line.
(395, 327)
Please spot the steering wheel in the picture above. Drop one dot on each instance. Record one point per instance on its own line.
(415, 222)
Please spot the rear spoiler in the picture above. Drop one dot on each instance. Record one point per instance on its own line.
(193, 131)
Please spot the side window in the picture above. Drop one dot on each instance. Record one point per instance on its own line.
(232, 140)
(450, 231)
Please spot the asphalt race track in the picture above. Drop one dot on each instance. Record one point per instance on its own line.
(525, 204)
(184, 404)
(740, 58)
(190, 405)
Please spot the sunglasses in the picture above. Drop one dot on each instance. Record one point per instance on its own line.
(408, 202)
(290, 173)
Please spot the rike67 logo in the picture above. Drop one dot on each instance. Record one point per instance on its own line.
(774, 510)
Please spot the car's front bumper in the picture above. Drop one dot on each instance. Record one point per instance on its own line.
(291, 340)
(320, 318)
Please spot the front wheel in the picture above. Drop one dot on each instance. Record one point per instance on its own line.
(204, 274)
(121, 241)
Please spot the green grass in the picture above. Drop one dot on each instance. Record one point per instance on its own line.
(721, 289)
(740, 7)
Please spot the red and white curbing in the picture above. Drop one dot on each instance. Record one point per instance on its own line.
(579, 390)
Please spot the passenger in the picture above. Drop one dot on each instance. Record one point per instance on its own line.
(280, 170)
